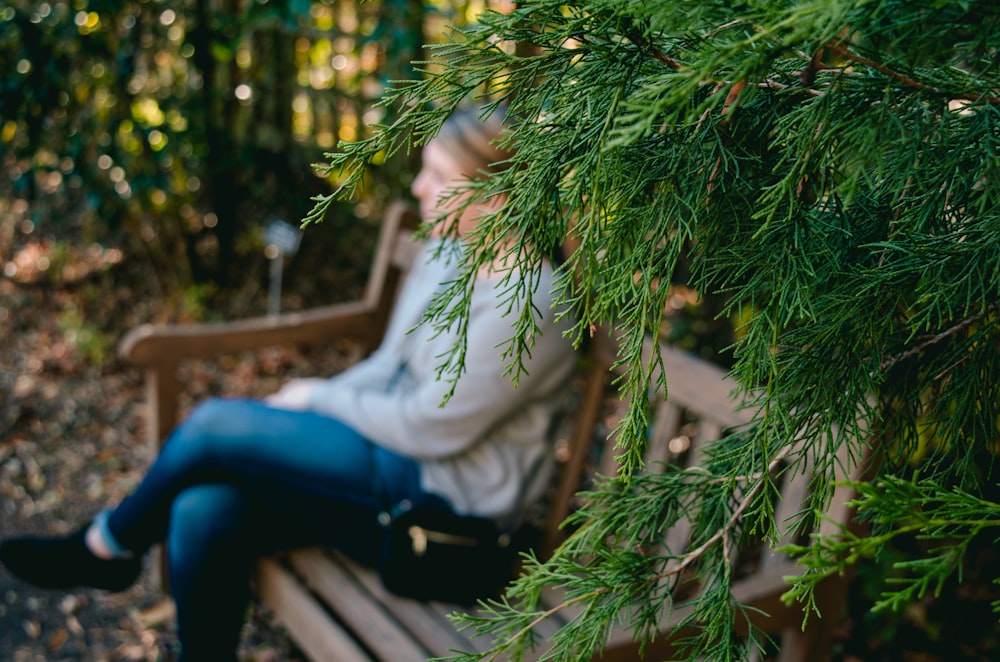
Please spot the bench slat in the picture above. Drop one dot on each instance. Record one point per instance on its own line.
(424, 622)
(302, 616)
(666, 427)
(353, 604)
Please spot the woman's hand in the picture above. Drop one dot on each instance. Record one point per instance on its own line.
(294, 395)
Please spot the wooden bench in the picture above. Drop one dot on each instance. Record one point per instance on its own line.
(337, 610)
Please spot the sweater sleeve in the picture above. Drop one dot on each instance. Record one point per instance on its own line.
(377, 368)
(412, 421)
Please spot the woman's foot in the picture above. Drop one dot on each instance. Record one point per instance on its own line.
(66, 562)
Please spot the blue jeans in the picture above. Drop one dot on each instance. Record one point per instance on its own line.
(239, 479)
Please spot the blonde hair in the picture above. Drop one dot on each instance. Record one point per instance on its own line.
(472, 140)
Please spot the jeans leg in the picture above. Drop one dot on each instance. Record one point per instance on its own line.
(239, 479)
(210, 563)
(216, 534)
(301, 460)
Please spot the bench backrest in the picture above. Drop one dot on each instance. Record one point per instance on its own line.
(395, 251)
(700, 406)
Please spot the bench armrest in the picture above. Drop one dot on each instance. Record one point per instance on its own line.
(160, 348)
(166, 344)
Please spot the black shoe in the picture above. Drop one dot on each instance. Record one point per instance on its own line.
(66, 562)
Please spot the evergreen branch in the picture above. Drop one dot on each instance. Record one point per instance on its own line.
(943, 335)
(724, 534)
(526, 631)
(838, 48)
(836, 207)
(680, 563)
(898, 508)
(644, 44)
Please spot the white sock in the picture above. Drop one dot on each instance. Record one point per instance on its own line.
(101, 542)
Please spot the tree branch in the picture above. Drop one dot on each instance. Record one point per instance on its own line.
(725, 531)
(843, 51)
(933, 340)
(723, 534)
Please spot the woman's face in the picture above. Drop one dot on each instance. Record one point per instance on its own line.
(440, 173)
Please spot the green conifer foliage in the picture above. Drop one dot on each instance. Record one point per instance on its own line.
(832, 167)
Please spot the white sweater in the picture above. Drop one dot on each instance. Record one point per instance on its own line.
(476, 450)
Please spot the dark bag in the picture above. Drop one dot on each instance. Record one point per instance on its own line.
(431, 554)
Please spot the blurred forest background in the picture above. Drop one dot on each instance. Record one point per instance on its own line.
(145, 147)
(170, 133)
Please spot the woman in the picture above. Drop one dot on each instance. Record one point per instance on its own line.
(317, 461)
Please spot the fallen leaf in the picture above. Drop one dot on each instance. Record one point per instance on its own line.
(131, 652)
(33, 628)
(160, 613)
(73, 624)
(71, 603)
(58, 638)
